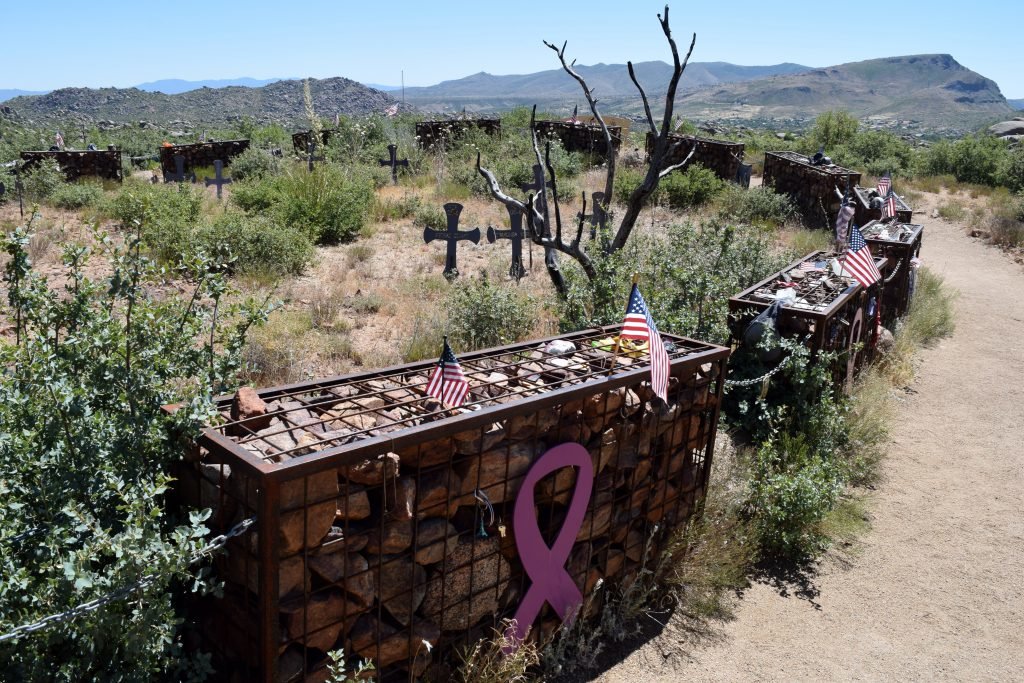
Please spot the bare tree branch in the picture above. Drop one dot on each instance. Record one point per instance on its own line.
(643, 96)
(668, 169)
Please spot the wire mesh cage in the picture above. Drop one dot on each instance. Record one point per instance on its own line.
(816, 189)
(899, 243)
(384, 520)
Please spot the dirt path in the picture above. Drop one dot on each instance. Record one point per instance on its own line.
(937, 589)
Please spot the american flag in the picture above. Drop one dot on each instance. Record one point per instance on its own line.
(447, 382)
(811, 267)
(572, 119)
(889, 208)
(843, 219)
(640, 325)
(392, 110)
(858, 260)
(58, 139)
(884, 184)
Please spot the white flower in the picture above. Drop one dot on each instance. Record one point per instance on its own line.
(429, 646)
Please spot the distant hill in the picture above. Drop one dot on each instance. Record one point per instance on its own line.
(933, 89)
(9, 94)
(173, 86)
(609, 81)
(279, 102)
(1016, 104)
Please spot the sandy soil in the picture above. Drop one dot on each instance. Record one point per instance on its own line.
(936, 589)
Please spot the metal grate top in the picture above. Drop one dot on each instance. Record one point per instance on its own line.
(313, 416)
(891, 232)
(797, 158)
(817, 287)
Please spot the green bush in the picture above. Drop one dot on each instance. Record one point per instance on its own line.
(77, 195)
(755, 206)
(330, 205)
(627, 179)
(691, 188)
(42, 180)
(255, 163)
(979, 159)
(830, 130)
(86, 455)
(1011, 170)
(791, 491)
(430, 216)
(258, 244)
(483, 314)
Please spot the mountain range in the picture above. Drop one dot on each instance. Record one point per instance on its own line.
(931, 91)
(1016, 104)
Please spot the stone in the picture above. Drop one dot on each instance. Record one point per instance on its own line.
(401, 584)
(349, 571)
(404, 506)
(428, 454)
(438, 493)
(247, 405)
(598, 518)
(317, 620)
(634, 545)
(614, 562)
(477, 575)
(351, 418)
(354, 506)
(304, 525)
(662, 498)
(1015, 127)
(436, 538)
(394, 536)
(572, 428)
(243, 568)
(213, 483)
(531, 424)
(338, 540)
(484, 438)
(395, 645)
(372, 471)
(498, 473)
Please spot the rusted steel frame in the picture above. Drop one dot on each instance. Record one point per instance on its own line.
(269, 520)
(709, 450)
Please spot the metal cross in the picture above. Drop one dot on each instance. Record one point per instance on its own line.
(21, 190)
(311, 155)
(517, 270)
(394, 162)
(179, 171)
(220, 180)
(598, 218)
(452, 235)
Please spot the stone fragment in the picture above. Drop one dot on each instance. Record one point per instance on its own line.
(349, 571)
(318, 619)
(404, 506)
(428, 454)
(372, 471)
(438, 493)
(498, 473)
(393, 536)
(247, 405)
(484, 438)
(355, 505)
(396, 646)
(436, 538)
(470, 591)
(401, 584)
(598, 518)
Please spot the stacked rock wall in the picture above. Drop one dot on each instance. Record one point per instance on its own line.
(201, 154)
(813, 188)
(580, 137)
(78, 163)
(721, 156)
(378, 544)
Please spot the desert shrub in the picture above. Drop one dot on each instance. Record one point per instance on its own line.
(755, 206)
(388, 209)
(168, 215)
(255, 163)
(258, 245)
(430, 216)
(77, 195)
(483, 313)
(791, 490)
(627, 178)
(691, 188)
(687, 277)
(830, 130)
(330, 205)
(1010, 172)
(42, 180)
(86, 453)
(973, 159)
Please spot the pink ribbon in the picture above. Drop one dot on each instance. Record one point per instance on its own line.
(550, 582)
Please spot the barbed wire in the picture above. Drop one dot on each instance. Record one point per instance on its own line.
(213, 546)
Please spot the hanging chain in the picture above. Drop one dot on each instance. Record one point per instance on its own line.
(215, 544)
(757, 380)
(895, 271)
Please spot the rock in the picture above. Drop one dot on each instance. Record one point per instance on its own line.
(886, 340)
(436, 538)
(428, 454)
(401, 584)
(319, 620)
(471, 590)
(243, 568)
(336, 541)
(395, 646)
(532, 424)
(438, 493)
(489, 471)
(393, 537)
(405, 498)
(1015, 127)
(247, 405)
(354, 506)
(473, 441)
(598, 517)
(349, 571)
(372, 471)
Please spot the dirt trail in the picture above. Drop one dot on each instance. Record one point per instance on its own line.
(937, 588)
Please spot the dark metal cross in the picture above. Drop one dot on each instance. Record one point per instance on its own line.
(179, 171)
(517, 270)
(311, 155)
(452, 235)
(394, 162)
(21, 190)
(220, 180)
(598, 217)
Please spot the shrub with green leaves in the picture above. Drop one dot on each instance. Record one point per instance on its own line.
(755, 206)
(42, 180)
(168, 213)
(77, 195)
(86, 450)
(691, 188)
(482, 313)
(975, 159)
(255, 163)
(258, 245)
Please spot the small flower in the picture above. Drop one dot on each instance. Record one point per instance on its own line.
(429, 646)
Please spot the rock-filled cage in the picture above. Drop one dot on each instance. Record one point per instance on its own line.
(384, 521)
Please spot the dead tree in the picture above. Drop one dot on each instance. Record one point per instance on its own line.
(537, 209)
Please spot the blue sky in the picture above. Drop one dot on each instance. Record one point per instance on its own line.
(50, 44)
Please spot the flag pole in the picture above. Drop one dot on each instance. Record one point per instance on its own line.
(618, 339)
(444, 348)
